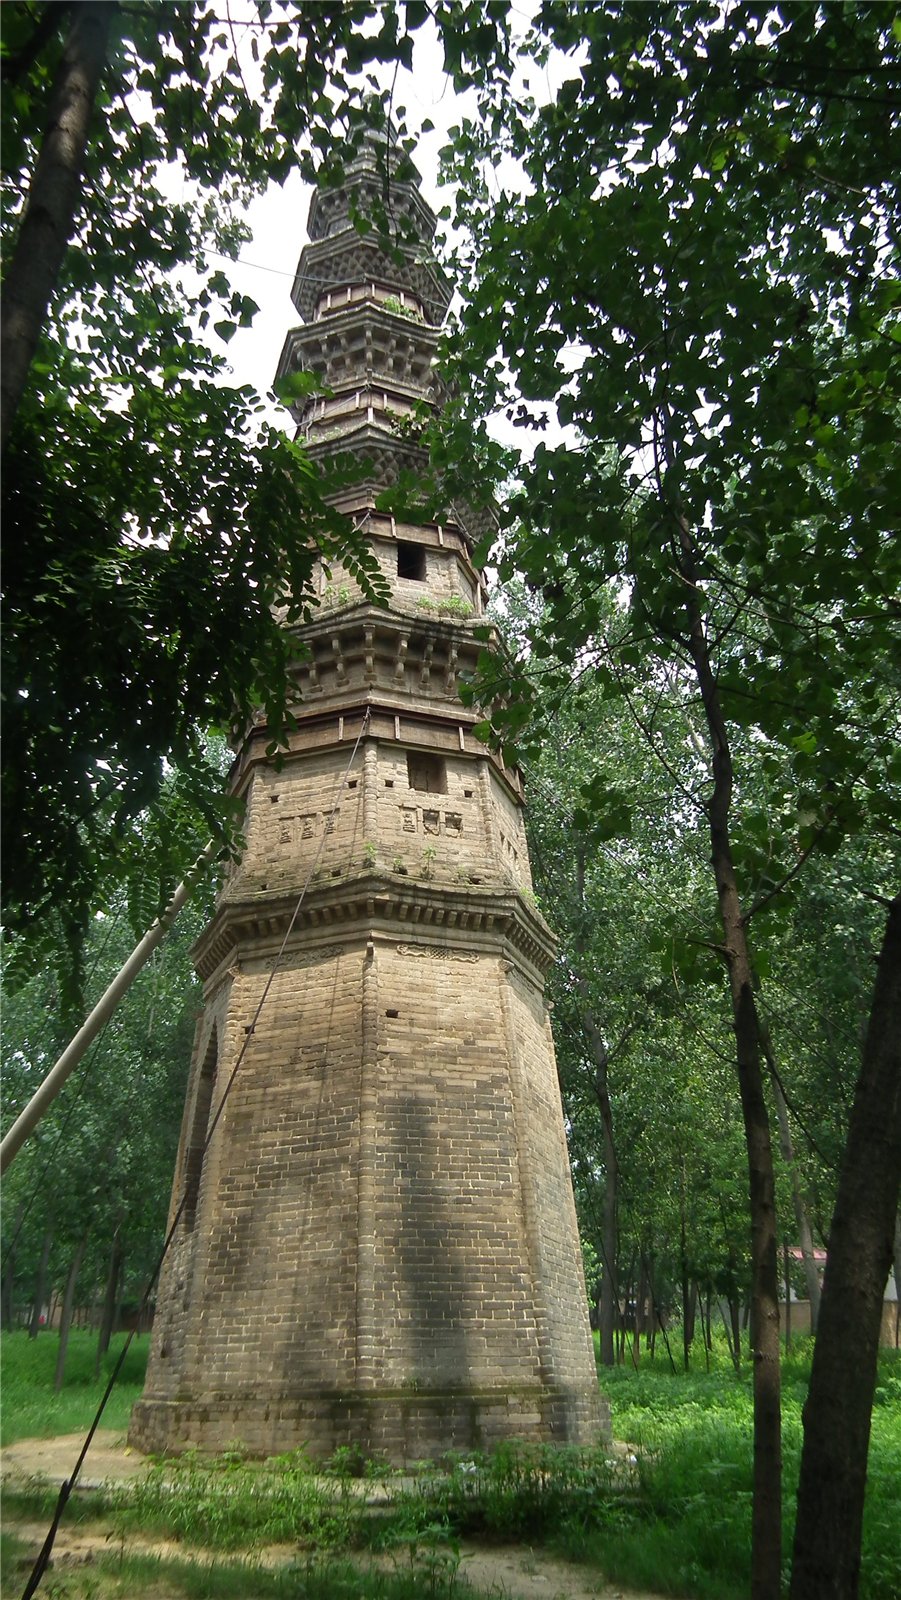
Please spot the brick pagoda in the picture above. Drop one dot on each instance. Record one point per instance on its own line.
(379, 1248)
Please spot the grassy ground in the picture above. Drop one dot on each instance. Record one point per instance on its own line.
(675, 1518)
(691, 1434)
(31, 1410)
(115, 1576)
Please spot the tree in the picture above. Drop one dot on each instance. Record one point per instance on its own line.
(696, 283)
(634, 916)
(861, 1241)
(99, 1169)
(627, 1037)
(153, 524)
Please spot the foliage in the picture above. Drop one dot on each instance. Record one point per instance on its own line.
(99, 1164)
(138, 615)
(636, 921)
(690, 1434)
(697, 278)
(152, 522)
(713, 374)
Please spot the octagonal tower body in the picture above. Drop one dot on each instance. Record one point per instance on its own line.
(379, 1246)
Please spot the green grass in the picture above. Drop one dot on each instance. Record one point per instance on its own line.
(692, 1439)
(30, 1408)
(675, 1519)
(230, 1504)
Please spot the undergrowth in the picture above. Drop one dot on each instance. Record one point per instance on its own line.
(691, 1436)
(669, 1511)
(120, 1575)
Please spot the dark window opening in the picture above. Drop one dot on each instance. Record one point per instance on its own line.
(199, 1127)
(427, 772)
(411, 561)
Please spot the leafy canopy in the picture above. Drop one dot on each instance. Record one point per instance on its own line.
(701, 282)
(159, 536)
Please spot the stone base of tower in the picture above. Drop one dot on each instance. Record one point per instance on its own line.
(379, 1246)
(399, 1428)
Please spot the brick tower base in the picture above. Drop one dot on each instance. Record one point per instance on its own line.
(383, 1250)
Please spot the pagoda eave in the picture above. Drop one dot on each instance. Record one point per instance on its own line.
(455, 923)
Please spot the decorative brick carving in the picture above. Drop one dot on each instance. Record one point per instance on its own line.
(436, 952)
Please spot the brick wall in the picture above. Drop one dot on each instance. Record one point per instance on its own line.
(384, 1216)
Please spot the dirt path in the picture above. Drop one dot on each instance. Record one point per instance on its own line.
(506, 1572)
(109, 1460)
(513, 1572)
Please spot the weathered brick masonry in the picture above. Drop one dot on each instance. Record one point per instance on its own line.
(379, 1246)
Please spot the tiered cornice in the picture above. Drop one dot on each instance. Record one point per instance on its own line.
(370, 357)
(344, 260)
(364, 186)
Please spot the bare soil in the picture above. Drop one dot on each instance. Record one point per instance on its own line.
(109, 1460)
(513, 1572)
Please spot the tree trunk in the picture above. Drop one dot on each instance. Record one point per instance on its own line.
(7, 1293)
(49, 215)
(687, 1310)
(897, 1280)
(641, 1299)
(65, 1321)
(708, 1336)
(802, 1221)
(732, 1296)
(608, 1282)
(766, 1516)
(735, 1314)
(40, 1285)
(826, 1564)
(730, 1326)
(110, 1299)
(609, 1220)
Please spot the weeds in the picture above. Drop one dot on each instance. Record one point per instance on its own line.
(692, 1439)
(515, 1491)
(671, 1514)
(226, 1504)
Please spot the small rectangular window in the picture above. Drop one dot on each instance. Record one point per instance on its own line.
(411, 561)
(427, 772)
